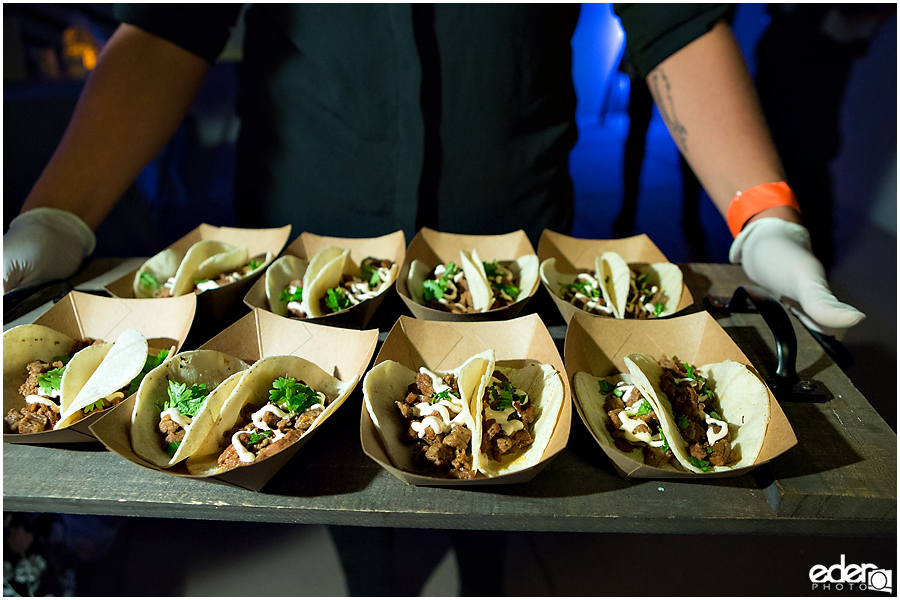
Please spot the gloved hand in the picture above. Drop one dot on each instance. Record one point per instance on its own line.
(777, 255)
(44, 244)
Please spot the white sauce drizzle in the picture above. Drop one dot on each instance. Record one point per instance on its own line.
(632, 398)
(34, 399)
(173, 413)
(711, 437)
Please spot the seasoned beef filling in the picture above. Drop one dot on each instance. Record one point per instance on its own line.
(645, 301)
(585, 294)
(624, 405)
(697, 414)
(451, 281)
(516, 413)
(445, 452)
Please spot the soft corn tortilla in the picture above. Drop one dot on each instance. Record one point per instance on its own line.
(209, 367)
(205, 259)
(278, 276)
(614, 276)
(253, 388)
(387, 383)
(591, 400)
(743, 399)
(161, 266)
(120, 362)
(328, 277)
(544, 387)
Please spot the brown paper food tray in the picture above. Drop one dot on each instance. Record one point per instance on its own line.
(599, 347)
(445, 346)
(391, 246)
(344, 353)
(576, 254)
(216, 303)
(165, 323)
(434, 247)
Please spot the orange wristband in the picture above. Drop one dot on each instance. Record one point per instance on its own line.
(756, 199)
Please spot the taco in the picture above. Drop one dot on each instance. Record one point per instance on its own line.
(277, 401)
(423, 417)
(473, 285)
(179, 401)
(207, 265)
(515, 412)
(582, 289)
(35, 361)
(714, 417)
(620, 417)
(640, 290)
(102, 374)
(329, 283)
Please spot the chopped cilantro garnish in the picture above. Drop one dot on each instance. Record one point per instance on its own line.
(579, 286)
(288, 296)
(658, 308)
(703, 465)
(445, 395)
(665, 446)
(715, 415)
(336, 299)
(370, 274)
(98, 405)
(292, 395)
(510, 290)
(689, 369)
(643, 409)
(606, 388)
(50, 380)
(490, 269)
(256, 438)
(683, 422)
(147, 279)
(434, 289)
(172, 448)
(187, 400)
(151, 363)
(254, 265)
(709, 450)
(504, 395)
(199, 281)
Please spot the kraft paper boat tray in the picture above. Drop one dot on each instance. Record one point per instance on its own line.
(214, 304)
(577, 254)
(444, 346)
(165, 323)
(391, 246)
(434, 247)
(599, 346)
(344, 353)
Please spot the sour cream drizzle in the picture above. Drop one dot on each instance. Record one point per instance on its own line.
(632, 398)
(173, 413)
(34, 399)
(711, 437)
(503, 416)
(440, 415)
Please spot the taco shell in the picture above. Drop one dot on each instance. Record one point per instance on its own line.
(280, 273)
(210, 367)
(161, 266)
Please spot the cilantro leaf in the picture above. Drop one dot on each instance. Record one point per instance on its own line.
(445, 395)
(715, 415)
(433, 290)
(186, 400)
(658, 309)
(643, 409)
(151, 363)
(606, 388)
(689, 369)
(683, 422)
(256, 438)
(510, 290)
(703, 465)
(336, 300)
(370, 274)
(288, 296)
(665, 446)
(291, 395)
(147, 279)
(490, 269)
(254, 265)
(172, 448)
(709, 450)
(98, 405)
(51, 379)
(504, 395)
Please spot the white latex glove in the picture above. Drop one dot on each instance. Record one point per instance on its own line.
(44, 244)
(777, 255)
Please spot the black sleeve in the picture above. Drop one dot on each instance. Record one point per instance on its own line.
(202, 29)
(654, 32)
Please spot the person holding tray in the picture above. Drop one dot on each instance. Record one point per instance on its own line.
(358, 120)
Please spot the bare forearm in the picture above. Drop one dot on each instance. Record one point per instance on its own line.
(709, 104)
(132, 104)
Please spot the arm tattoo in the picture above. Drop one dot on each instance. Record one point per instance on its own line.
(666, 105)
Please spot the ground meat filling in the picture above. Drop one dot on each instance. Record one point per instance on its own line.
(503, 286)
(585, 294)
(515, 412)
(626, 403)
(445, 452)
(696, 411)
(36, 417)
(262, 442)
(645, 301)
